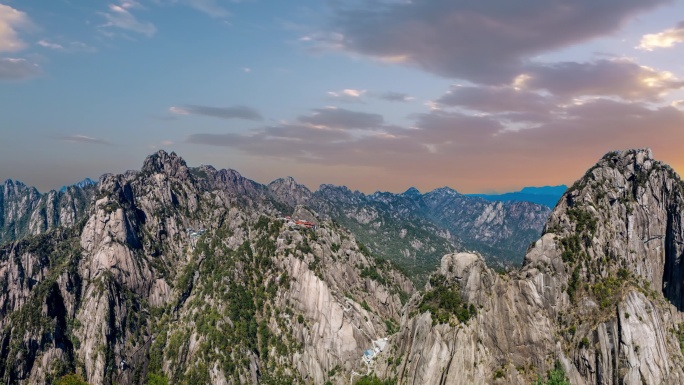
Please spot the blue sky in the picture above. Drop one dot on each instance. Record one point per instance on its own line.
(376, 95)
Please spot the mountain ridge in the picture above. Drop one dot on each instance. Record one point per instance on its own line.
(399, 227)
(81, 184)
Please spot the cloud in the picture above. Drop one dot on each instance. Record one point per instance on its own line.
(235, 112)
(119, 16)
(486, 42)
(82, 139)
(12, 20)
(348, 95)
(342, 118)
(66, 46)
(338, 140)
(47, 44)
(617, 77)
(209, 7)
(448, 129)
(666, 39)
(286, 140)
(351, 95)
(12, 68)
(17, 69)
(494, 99)
(474, 150)
(545, 87)
(395, 97)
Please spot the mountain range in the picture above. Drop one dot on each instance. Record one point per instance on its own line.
(412, 230)
(182, 275)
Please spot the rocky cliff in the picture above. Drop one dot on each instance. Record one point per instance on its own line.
(598, 298)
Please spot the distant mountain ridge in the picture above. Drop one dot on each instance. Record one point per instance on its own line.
(545, 190)
(415, 229)
(546, 195)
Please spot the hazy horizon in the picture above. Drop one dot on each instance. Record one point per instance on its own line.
(266, 182)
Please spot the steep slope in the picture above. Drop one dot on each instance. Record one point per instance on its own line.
(24, 211)
(501, 231)
(288, 191)
(188, 276)
(599, 294)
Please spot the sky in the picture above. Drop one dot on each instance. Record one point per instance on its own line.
(480, 96)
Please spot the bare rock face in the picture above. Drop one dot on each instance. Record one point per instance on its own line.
(630, 208)
(170, 165)
(304, 213)
(600, 293)
(40, 295)
(287, 190)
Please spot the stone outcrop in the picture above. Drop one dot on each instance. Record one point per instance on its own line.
(287, 190)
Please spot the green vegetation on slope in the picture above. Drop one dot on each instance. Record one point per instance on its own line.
(444, 302)
(556, 376)
(59, 253)
(372, 379)
(388, 243)
(70, 379)
(230, 308)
